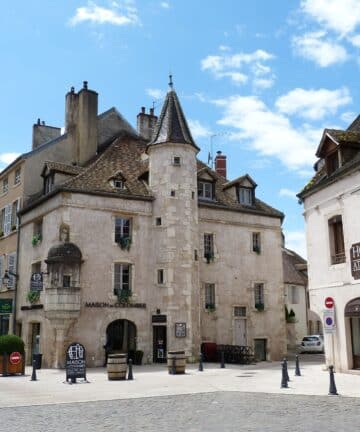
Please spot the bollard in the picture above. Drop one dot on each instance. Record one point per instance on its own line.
(286, 369)
(297, 366)
(222, 366)
(33, 376)
(284, 381)
(201, 367)
(130, 373)
(332, 389)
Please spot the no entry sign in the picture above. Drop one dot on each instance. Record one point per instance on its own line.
(15, 358)
(329, 302)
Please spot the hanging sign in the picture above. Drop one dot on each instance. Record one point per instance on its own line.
(180, 330)
(75, 362)
(355, 260)
(36, 282)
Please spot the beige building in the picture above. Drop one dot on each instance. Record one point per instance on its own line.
(332, 204)
(146, 248)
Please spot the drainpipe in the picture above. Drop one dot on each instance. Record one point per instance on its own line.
(16, 273)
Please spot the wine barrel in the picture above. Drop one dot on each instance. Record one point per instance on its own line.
(180, 362)
(116, 366)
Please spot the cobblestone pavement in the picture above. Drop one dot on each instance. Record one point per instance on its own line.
(217, 411)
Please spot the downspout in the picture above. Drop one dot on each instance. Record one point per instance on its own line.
(17, 273)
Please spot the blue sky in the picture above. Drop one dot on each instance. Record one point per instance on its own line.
(259, 80)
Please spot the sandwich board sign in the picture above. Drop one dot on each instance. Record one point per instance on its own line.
(75, 362)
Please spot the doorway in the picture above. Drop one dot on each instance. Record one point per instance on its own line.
(35, 339)
(121, 336)
(159, 344)
(352, 311)
(240, 337)
(260, 349)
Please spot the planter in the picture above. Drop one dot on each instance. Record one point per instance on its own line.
(176, 361)
(116, 367)
(8, 368)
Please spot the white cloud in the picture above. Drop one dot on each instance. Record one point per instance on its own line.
(341, 16)
(198, 130)
(313, 104)
(155, 93)
(224, 48)
(355, 40)
(165, 5)
(287, 193)
(324, 52)
(238, 67)
(348, 117)
(296, 241)
(263, 83)
(269, 133)
(100, 15)
(7, 158)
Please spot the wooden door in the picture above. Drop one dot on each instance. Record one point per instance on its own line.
(159, 344)
(240, 337)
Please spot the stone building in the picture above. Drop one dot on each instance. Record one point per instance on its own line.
(144, 247)
(332, 204)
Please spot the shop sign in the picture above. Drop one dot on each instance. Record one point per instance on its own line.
(6, 306)
(36, 282)
(158, 319)
(114, 305)
(355, 260)
(75, 362)
(180, 330)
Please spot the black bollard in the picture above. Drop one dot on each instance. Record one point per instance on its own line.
(286, 369)
(130, 373)
(297, 366)
(284, 381)
(222, 366)
(33, 375)
(201, 366)
(332, 389)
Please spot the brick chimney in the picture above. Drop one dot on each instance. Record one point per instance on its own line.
(43, 133)
(220, 164)
(81, 122)
(146, 123)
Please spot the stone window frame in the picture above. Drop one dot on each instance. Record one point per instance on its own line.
(210, 296)
(130, 271)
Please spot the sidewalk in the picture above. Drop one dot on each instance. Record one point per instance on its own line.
(154, 380)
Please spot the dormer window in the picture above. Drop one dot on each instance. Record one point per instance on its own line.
(177, 161)
(49, 183)
(246, 196)
(332, 162)
(205, 190)
(119, 184)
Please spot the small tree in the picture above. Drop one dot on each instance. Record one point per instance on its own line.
(11, 343)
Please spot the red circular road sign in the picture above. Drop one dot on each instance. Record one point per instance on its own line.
(15, 358)
(329, 302)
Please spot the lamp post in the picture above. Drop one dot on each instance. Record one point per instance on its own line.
(6, 278)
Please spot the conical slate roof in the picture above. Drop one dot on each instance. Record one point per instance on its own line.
(172, 126)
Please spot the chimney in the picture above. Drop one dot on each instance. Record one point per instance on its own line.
(220, 164)
(146, 123)
(42, 134)
(81, 123)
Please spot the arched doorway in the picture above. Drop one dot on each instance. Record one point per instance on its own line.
(352, 311)
(121, 336)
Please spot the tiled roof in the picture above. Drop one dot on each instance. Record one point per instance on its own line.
(345, 137)
(290, 262)
(63, 168)
(172, 125)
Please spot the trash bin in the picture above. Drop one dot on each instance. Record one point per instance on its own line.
(38, 360)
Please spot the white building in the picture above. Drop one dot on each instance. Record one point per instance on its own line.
(332, 208)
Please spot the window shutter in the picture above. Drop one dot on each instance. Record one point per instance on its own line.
(1, 268)
(11, 268)
(7, 219)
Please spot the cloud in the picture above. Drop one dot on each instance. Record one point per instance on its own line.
(270, 133)
(7, 158)
(340, 16)
(324, 52)
(348, 117)
(118, 14)
(287, 193)
(165, 5)
(313, 104)
(295, 240)
(198, 130)
(238, 67)
(155, 93)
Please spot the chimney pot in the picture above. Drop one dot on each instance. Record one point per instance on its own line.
(152, 111)
(72, 90)
(142, 110)
(85, 85)
(38, 121)
(43, 123)
(218, 152)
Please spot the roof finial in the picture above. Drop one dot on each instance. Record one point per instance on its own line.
(171, 84)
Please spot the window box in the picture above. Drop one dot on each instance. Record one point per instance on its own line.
(210, 308)
(259, 307)
(257, 249)
(209, 256)
(33, 296)
(36, 239)
(123, 295)
(124, 242)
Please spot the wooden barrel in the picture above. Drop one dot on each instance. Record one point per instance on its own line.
(180, 362)
(116, 366)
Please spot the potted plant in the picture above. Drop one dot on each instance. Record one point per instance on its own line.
(33, 296)
(12, 355)
(209, 257)
(124, 295)
(125, 242)
(256, 248)
(1, 233)
(13, 227)
(211, 308)
(291, 317)
(259, 306)
(36, 238)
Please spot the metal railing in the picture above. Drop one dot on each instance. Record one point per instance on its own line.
(338, 258)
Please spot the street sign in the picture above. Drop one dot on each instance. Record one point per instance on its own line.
(6, 306)
(36, 282)
(15, 358)
(329, 302)
(329, 321)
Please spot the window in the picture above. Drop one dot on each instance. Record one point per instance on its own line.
(210, 296)
(37, 232)
(256, 244)
(259, 296)
(6, 219)
(293, 295)
(119, 184)
(14, 218)
(337, 249)
(5, 185)
(48, 183)
(11, 268)
(177, 161)
(4, 324)
(158, 221)
(240, 311)
(205, 190)
(122, 229)
(196, 258)
(209, 247)
(122, 282)
(192, 195)
(66, 281)
(246, 196)
(160, 276)
(2, 269)
(332, 162)
(17, 178)
(172, 193)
